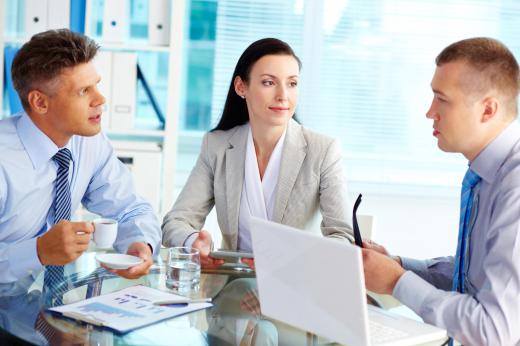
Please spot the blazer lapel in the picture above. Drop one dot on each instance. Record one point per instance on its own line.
(235, 157)
(293, 154)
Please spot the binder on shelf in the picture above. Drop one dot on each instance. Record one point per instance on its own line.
(103, 64)
(78, 10)
(115, 21)
(159, 22)
(35, 16)
(15, 105)
(58, 14)
(124, 90)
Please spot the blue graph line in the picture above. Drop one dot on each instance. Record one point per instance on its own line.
(99, 307)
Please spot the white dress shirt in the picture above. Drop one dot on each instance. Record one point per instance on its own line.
(489, 312)
(258, 195)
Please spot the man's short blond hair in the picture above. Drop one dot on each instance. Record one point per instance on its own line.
(494, 64)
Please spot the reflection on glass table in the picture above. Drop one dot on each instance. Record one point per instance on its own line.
(235, 318)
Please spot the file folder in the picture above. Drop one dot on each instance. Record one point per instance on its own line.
(103, 64)
(159, 22)
(15, 105)
(35, 16)
(115, 21)
(58, 14)
(124, 90)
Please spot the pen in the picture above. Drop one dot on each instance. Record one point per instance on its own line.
(182, 301)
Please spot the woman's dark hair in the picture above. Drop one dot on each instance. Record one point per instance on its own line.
(235, 109)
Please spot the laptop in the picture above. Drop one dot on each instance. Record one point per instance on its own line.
(317, 284)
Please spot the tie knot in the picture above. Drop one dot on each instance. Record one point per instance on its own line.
(470, 179)
(63, 157)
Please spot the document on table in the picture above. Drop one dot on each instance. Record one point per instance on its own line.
(128, 309)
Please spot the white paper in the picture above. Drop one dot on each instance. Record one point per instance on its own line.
(129, 308)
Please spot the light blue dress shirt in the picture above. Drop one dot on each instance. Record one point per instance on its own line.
(97, 179)
(489, 312)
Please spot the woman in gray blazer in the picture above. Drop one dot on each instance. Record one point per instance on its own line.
(259, 161)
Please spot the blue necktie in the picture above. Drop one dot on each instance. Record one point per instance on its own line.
(54, 274)
(471, 179)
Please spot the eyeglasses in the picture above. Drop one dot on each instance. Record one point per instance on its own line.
(357, 233)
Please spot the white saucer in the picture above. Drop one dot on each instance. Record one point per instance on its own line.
(118, 261)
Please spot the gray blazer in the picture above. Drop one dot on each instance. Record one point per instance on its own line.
(311, 178)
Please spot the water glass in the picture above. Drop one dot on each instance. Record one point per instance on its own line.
(183, 268)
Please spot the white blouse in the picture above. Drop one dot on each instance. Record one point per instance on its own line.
(258, 195)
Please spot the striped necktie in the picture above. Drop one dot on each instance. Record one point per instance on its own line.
(471, 179)
(55, 274)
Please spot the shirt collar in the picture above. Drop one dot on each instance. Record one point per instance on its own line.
(489, 161)
(39, 147)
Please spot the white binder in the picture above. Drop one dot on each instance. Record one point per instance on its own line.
(35, 16)
(103, 64)
(115, 21)
(124, 90)
(159, 22)
(58, 14)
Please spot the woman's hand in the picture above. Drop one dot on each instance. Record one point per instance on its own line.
(203, 244)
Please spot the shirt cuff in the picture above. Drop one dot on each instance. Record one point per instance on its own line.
(412, 291)
(190, 239)
(414, 265)
(23, 258)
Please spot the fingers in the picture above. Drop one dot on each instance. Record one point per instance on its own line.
(208, 262)
(203, 243)
(250, 303)
(86, 227)
(250, 262)
(134, 272)
(83, 239)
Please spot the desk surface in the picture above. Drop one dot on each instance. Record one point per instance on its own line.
(23, 317)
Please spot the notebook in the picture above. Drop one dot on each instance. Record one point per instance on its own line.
(317, 284)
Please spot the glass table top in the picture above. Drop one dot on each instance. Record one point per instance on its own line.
(234, 319)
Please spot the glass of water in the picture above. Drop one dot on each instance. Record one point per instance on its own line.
(183, 268)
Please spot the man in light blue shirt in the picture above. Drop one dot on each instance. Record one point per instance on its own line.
(475, 296)
(56, 80)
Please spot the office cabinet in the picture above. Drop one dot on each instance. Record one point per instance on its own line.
(165, 50)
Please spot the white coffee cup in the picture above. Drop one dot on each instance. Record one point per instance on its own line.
(105, 232)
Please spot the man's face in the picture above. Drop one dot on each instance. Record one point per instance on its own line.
(456, 110)
(75, 106)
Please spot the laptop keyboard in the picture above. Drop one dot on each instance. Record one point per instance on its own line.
(380, 333)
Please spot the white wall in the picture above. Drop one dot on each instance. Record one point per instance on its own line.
(413, 226)
(410, 226)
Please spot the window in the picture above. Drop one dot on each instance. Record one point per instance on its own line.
(367, 67)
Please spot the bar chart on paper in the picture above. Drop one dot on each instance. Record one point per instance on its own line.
(127, 309)
(107, 310)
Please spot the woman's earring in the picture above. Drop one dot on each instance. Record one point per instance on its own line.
(243, 96)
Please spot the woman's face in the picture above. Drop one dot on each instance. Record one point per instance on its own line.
(272, 91)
